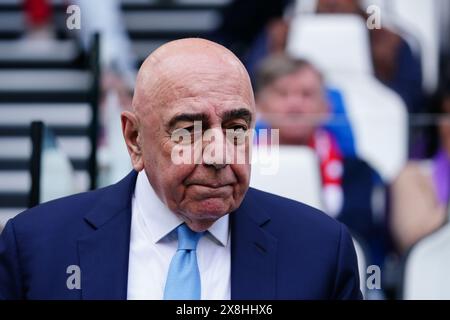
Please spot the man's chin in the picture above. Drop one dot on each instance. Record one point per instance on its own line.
(209, 209)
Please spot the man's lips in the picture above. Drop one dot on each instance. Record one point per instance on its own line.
(211, 185)
(211, 190)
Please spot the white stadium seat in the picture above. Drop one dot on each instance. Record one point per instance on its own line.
(296, 174)
(427, 266)
(417, 21)
(379, 121)
(334, 43)
(421, 18)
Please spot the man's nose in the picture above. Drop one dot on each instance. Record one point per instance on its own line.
(214, 151)
(295, 104)
(216, 165)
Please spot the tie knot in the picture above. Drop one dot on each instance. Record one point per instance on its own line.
(187, 239)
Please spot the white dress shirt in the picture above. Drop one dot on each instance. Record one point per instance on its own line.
(153, 243)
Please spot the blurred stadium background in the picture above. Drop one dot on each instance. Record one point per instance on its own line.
(385, 167)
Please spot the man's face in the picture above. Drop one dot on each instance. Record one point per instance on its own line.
(295, 104)
(219, 100)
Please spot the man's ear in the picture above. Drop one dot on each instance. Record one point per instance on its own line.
(130, 130)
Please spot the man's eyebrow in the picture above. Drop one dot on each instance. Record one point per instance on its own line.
(241, 113)
(188, 117)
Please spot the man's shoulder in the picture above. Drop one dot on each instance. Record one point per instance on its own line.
(68, 212)
(314, 250)
(287, 214)
(54, 214)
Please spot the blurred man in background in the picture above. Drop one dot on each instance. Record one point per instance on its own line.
(291, 96)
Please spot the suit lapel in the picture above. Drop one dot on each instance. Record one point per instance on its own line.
(253, 254)
(103, 252)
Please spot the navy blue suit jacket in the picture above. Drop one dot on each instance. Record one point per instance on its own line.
(280, 249)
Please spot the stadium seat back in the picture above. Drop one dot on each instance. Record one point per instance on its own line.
(334, 43)
(426, 268)
(295, 174)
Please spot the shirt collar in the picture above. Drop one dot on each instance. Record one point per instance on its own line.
(220, 230)
(160, 221)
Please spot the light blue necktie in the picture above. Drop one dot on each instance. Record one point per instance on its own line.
(183, 278)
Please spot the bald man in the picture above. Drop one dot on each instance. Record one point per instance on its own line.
(184, 224)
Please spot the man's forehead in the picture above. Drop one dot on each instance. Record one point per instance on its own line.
(179, 70)
(192, 49)
(181, 57)
(193, 77)
(200, 89)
